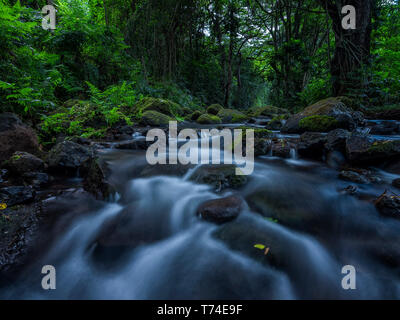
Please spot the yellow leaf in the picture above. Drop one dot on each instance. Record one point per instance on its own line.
(259, 246)
(3, 206)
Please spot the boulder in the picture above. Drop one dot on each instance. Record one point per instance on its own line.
(155, 119)
(16, 136)
(36, 179)
(311, 145)
(14, 195)
(68, 157)
(221, 210)
(353, 176)
(231, 116)
(388, 206)
(267, 111)
(336, 140)
(281, 149)
(23, 162)
(214, 109)
(194, 116)
(335, 114)
(208, 119)
(363, 149)
(219, 176)
(163, 106)
(95, 181)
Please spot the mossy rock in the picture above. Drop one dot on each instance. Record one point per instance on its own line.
(231, 116)
(164, 106)
(155, 119)
(209, 119)
(258, 132)
(327, 106)
(194, 116)
(267, 111)
(318, 123)
(214, 109)
(219, 176)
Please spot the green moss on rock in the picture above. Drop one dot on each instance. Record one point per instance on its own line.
(164, 106)
(214, 109)
(155, 119)
(231, 116)
(318, 123)
(209, 119)
(194, 116)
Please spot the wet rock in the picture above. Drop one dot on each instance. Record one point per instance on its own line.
(275, 125)
(352, 176)
(335, 159)
(388, 206)
(95, 181)
(136, 144)
(261, 147)
(16, 136)
(23, 162)
(349, 190)
(221, 210)
(311, 145)
(281, 149)
(396, 183)
(219, 176)
(36, 179)
(231, 116)
(16, 195)
(68, 157)
(385, 128)
(208, 119)
(362, 149)
(336, 140)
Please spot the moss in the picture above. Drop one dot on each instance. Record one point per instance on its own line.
(231, 116)
(258, 132)
(209, 119)
(164, 106)
(194, 116)
(318, 123)
(386, 147)
(214, 109)
(155, 118)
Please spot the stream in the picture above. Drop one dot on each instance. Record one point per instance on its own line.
(148, 242)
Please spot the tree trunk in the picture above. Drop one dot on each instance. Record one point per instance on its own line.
(352, 47)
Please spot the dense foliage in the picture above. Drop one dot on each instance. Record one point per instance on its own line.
(237, 53)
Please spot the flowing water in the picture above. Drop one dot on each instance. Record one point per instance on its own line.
(148, 243)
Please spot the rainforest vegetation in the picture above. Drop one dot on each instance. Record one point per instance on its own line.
(105, 56)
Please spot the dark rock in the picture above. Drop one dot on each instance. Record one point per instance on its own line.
(262, 146)
(336, 140)
(362, 149)
(16, 195)
(281, 149)
(385, 128)
(396, 183)
(275, 125)
(135, 144)
(221, 210)
(16, 136)
(95, 181)
(23, 162)
(3, 175)
(311, 145)
(388, 206)
(335, 159)
(37, 179)
(219, 176)
(352, 176)
(349, 190)
(68, 157)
